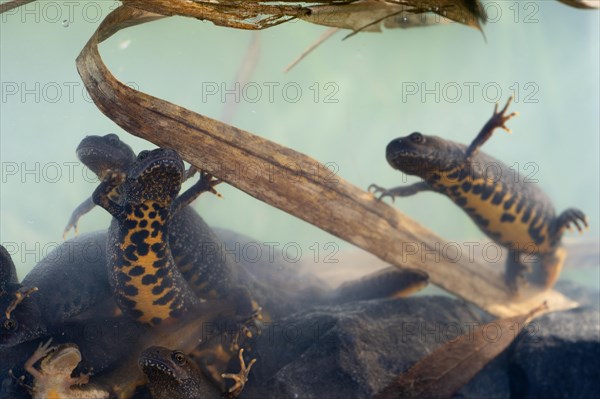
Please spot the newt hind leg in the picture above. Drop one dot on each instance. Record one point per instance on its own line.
(516, 270)
(571, 216)
(239, 378)
(552, 265)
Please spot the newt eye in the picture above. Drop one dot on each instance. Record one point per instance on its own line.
(179, 357)
(10, 324)
(416, 137)
(142, 155)
(112, 138)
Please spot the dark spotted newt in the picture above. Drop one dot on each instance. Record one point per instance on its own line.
(204, 265)
(515, 214)
(142, 273)
(54, 291)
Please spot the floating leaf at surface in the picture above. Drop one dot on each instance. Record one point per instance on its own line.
(372, 15)
(357, 15)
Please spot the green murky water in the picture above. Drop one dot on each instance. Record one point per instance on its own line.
(341, 105)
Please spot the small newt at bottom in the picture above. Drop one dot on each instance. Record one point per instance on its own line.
(53, 377)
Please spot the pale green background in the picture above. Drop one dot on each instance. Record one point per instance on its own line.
(557, 52)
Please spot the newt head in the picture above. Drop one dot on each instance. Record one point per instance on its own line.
(101, 153)
(161, 363)
(24, 323)
(421, 155)
(172, 374)
(155, 176)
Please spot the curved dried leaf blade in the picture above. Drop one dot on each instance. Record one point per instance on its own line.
(317, 195)
(12, 4)
(455, 363)
(582, 3)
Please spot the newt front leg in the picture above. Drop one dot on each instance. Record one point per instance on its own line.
(401, 191)
(101, 195)
(206, 183)
(497, 120)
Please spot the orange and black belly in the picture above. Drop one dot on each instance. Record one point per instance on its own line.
(148, 285)
(198, 253)
(509, 214)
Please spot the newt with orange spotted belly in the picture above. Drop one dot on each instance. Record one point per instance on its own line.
(515, 214)
(197, 251)
(142, 273)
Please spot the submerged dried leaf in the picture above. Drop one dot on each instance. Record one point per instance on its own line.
(242, 77)
(454, 364)
(326, 35)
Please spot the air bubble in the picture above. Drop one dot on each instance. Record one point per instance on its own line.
(124, 44)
